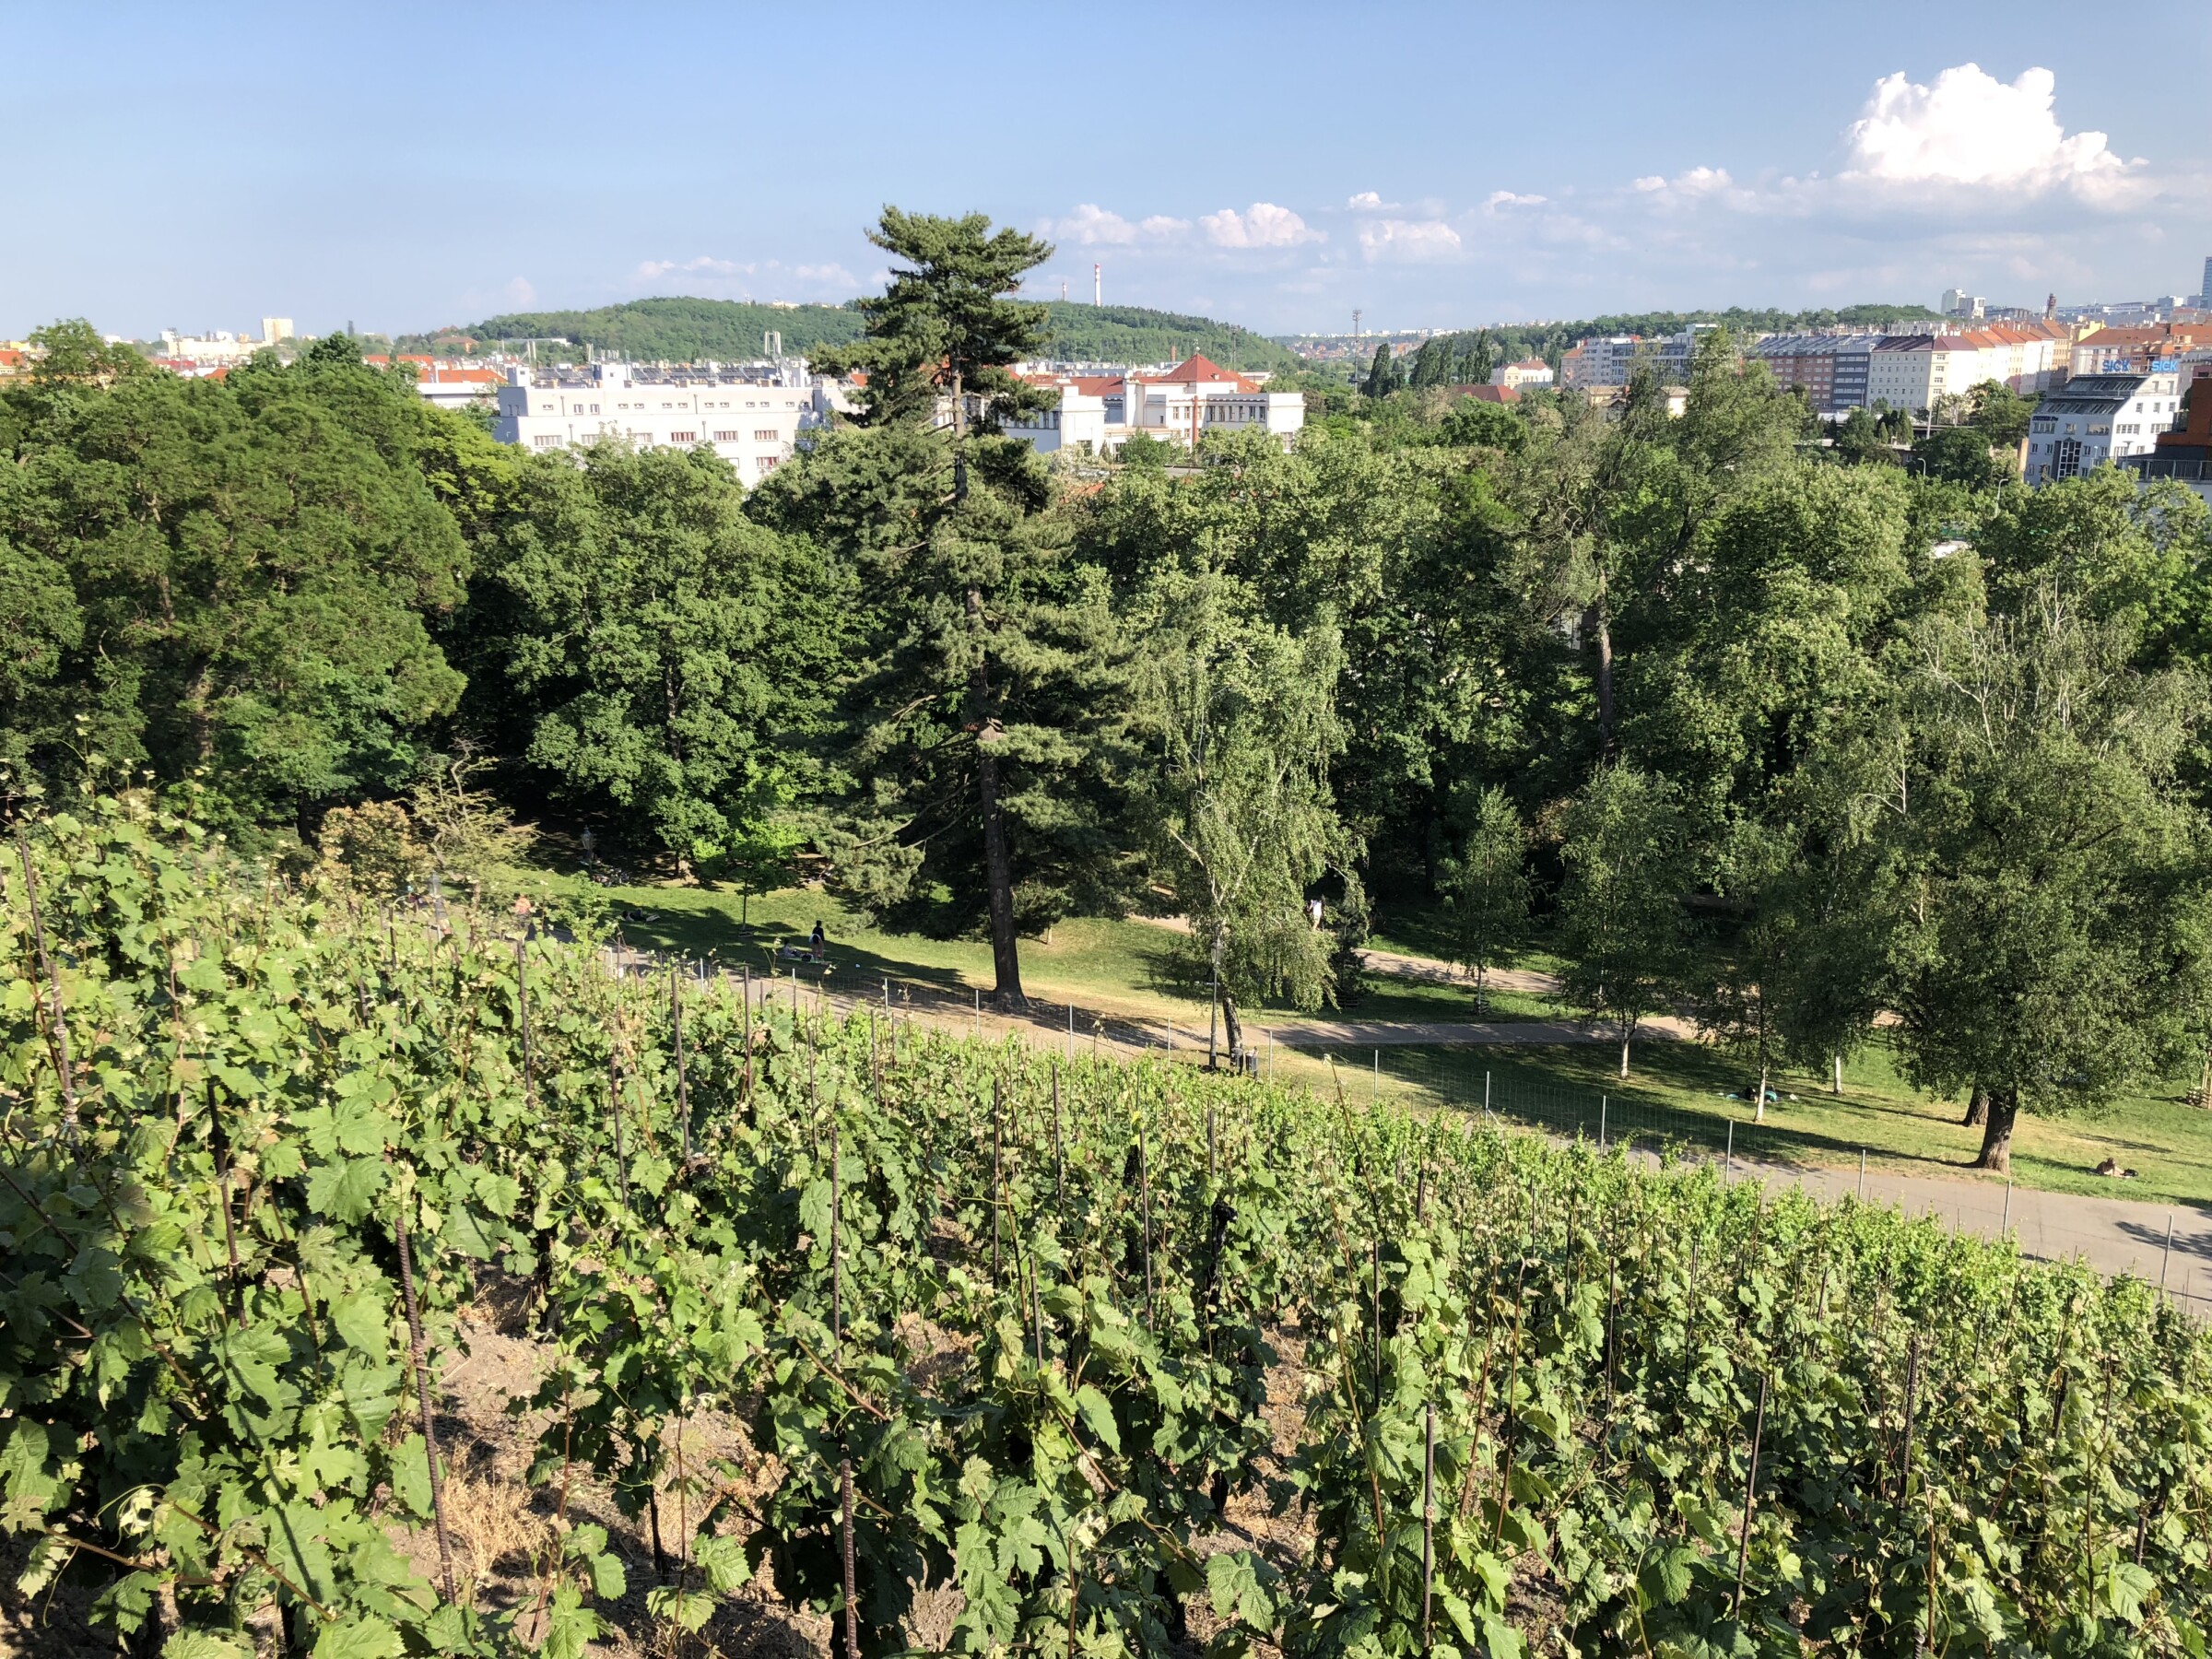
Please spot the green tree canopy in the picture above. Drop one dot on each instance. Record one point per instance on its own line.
(945, 325)
(1236, 723)
(227, 581)
(650, 652)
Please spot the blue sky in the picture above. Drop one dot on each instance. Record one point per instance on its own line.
(404, 165)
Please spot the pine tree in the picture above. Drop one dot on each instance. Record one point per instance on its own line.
(973, 723)
(1382, 377)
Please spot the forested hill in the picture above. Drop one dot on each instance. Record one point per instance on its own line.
(1131, 333)
(682, 330)
(673, 330)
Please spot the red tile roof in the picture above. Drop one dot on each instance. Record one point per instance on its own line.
(1198, 371)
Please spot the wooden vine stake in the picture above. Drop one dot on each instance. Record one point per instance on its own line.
(422, 1389)
(1428, 1521)
(1743, 1547)
(1059, 1159)
(837, 1337)
(683, 1089)
(997, 1177)
(748, 1030)
(522, 1014)
(1904, 1465)
(844, 1489)
(58, 1026)
(614, 1105)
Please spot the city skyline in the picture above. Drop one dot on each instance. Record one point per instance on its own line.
(1431, 167)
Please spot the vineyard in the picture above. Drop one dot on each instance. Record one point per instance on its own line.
(1005, 1351)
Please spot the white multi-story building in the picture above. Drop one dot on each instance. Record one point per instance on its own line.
(1528, 371)
(1613, 360)
(2099, 418)
(1098, 412)
(1911, 371)
(750, 414)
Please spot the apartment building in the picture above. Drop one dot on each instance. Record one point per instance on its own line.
(1097, 413)
(1911, 371)
(748, 414)
(2134, 350)
(1612, 359)
(2099, 418)
(1830, 370)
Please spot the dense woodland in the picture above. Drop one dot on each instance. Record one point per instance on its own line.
(1784, 732)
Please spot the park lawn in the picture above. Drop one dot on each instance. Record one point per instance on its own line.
(1125, 970)
(2166, 1140)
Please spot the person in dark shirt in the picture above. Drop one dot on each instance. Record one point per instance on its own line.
(817, 942)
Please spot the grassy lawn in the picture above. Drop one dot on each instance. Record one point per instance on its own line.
(1127, 971)
(1123, 968)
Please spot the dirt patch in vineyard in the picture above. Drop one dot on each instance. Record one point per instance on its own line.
(497, 1523)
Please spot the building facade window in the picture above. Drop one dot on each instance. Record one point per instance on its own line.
(769, 463)
(764, 434)
(683, 436)
(725, 437)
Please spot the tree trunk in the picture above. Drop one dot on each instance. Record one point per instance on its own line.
(1977, 1107)
(998, 863)
(1601, 631)
(1482, 974)
(1233, 1028)
(1760, 1114)
(2002, 1111)
(1836, 1088)
(2204, 1080)
(1627, 1031)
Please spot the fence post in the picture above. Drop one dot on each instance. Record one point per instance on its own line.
(2004, 1226)
(1728, 1167)
(979, 1010)
(1374, 1093)
(1601, 1123)
(1486, 1099)
(2165, 1260)
(1071, 1030)
(1862, 1172)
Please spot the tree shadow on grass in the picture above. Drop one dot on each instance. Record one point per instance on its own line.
(1527, 1090)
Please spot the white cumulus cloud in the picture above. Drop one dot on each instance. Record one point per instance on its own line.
(1094, 227)
(1506, 198)
(1968, 127)
(1366, 198)
(1262, 225)
(1409, 240)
